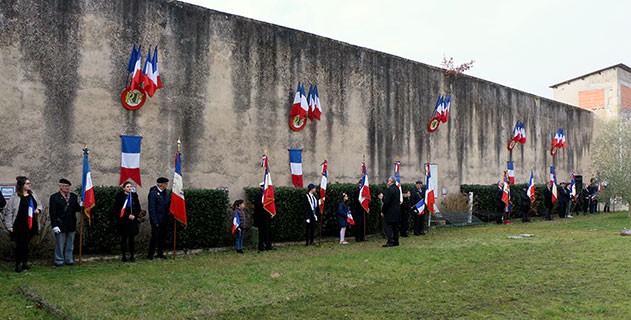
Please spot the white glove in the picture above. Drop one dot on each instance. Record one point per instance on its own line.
(56, 230)
(308, 220)
(316, 218)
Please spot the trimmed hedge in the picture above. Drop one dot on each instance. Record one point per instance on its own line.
(288, 224)
(205, 212)
(484, 202)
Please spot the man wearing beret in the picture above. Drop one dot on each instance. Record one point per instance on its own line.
(159, 202)
(64, 206)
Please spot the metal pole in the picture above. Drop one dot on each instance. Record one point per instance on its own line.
(81, 234)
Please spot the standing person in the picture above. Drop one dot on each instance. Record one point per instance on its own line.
(564, 200)
(420, 221)
(262, 220)
(406, 208)
(126, 208)
(500, 206)
(3, 203)
(158, 205)
(391, 211)
(593, 191)
(64, 206)
(310, 214)
(239, 233)
(20, 218)
(547, 201)
(525, 205)
(343, 210)
(359, 216)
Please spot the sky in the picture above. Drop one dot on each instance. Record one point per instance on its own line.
(526, 45)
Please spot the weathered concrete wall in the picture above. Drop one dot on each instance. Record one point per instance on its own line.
(228, 86)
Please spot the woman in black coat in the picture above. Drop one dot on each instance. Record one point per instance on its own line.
(127, 214)
(343, 210)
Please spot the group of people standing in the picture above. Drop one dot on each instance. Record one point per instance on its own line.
(21, 212)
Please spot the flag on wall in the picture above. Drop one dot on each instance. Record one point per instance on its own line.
(156, 73)
(531, 187)
(444, 116)
(397, 177)
(87, 190)
(132, 60)
(130, 159)
(364, 189)
(137, 77)
(178, 204)
(317, 112)
(510, 172)
(298, 114)
(268, 200)
(311, 102)
(147, 71)
(323, 183)
(295, 165)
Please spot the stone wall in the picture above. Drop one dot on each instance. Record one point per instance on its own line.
(228, 86)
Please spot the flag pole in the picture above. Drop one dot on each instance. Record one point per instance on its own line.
(81, 234)
(179, 145)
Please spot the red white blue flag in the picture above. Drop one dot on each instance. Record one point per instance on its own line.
(298, 114)
(87, 189)
(506, 191)
(510, 172)
(137, 76)
(132, 59)
(268, 200)
(349, 217)
(130, 159)
(295, 164)
(559, 139)
(531, 187)
(444, 116)
(178, 204)
(317, 111)
(311, 102)
(149, 82)
(364, 189)
(573, 193)
(323, 183)
(304, 105)
(420, 207)
(236, 222)
(156, 74)
(126, 204)
(397, 177)
(553, 180)
(519, 133)
(430, 195)
(31, 211)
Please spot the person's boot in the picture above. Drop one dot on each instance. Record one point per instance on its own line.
(124, 258)
(132, 258)
(18, 267)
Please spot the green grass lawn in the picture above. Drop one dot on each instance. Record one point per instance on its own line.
(571, 269)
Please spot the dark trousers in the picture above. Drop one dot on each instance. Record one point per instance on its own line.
(264, 239)
(125, 240)
(158, 235)
(420, 223)
(405, 224)
(359, 228)
(562, 210)
(391, 229)
(524, 214)
(310, 232)
(21, 248)
(499, 216)
(548, 214)
(593, 206)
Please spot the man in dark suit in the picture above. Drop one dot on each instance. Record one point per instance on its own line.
(547, 201)
(159, 203)
(391, 211)
(262, 221)
(420, 222)
(64, 206)
(525, 205)
(310, 214)
(564, 199)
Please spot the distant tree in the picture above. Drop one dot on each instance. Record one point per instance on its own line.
(452, 70)
(612, 160)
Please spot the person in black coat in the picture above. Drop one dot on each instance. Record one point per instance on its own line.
(127, 220)
(158, 205)
(359, 215)
(547, 201)
(420, 221)
(525, 205)
(64, 206)
(500, 206)
(564, 199)
(310, 214)
(406, 208)
(262, 221)
(391, 212)
(343, 210)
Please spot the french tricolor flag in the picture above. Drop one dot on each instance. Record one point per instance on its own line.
(531, 187)
(510, 172)
(323, 183)
(130, 159)
(553, 180)
(126, 204)
(420, 207)
(397, 168)
(295, 164)
(349, 218)
(317, 111)
(31, 211)
(87, 190)
(178, 204)
(236, 222)
(137, 77)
